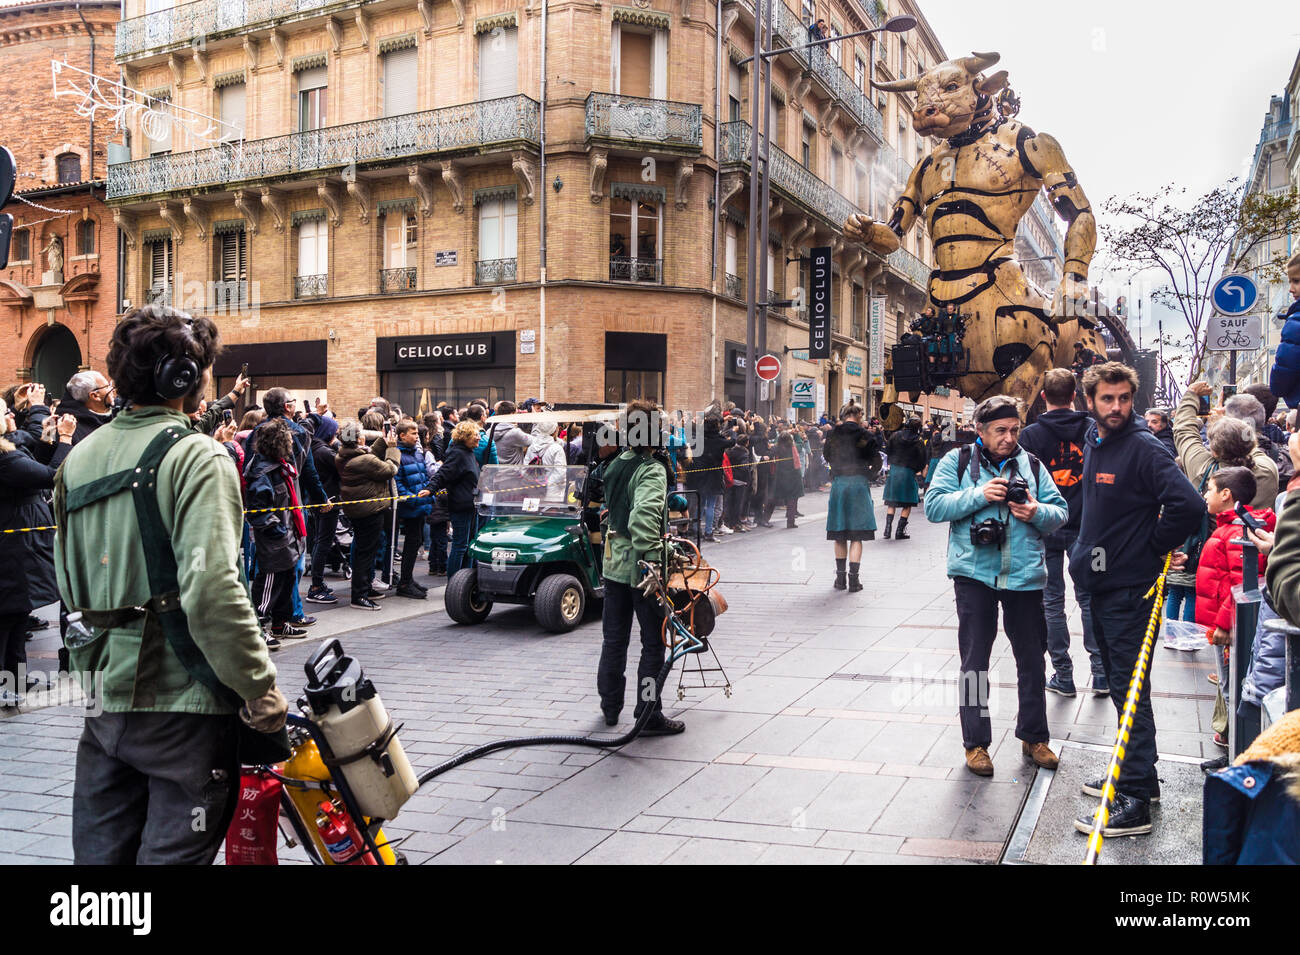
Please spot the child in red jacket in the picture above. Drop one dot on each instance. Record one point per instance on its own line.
(1220, 566)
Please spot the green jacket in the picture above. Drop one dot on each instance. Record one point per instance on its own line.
(649, 490)
(100, 565)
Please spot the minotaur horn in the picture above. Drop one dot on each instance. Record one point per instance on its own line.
(977, 63)
(897, 86)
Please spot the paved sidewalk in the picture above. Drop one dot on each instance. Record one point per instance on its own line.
(838, 743)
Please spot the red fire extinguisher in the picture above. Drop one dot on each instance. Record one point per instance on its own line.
(341, 837)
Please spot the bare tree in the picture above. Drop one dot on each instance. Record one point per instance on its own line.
(1191, 244)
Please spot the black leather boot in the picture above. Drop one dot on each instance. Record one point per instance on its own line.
(840, 583)
(854, 583)
(902, 534)
(889, 526)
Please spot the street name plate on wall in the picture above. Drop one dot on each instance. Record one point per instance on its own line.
(819, 302)
(444, 257)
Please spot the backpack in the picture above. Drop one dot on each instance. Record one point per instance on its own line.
(1065, 464)
(1282, 458)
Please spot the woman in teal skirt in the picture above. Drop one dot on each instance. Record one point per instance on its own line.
(851, 452)
(906, 452)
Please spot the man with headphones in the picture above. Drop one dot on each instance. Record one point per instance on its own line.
(163, 635)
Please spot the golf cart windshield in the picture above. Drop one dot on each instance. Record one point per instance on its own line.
(531, 489)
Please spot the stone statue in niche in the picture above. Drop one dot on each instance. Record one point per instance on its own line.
(53, 252)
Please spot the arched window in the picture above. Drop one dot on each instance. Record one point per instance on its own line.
(69, 165)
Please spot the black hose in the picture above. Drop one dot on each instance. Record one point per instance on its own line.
(640, 724)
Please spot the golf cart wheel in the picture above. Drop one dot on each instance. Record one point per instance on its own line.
(560, 603)
(463, 601)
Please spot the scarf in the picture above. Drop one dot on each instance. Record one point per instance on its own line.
(291, 482)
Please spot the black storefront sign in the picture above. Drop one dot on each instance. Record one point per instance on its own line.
(819, 303)
(488, 350)
(266, 359)
(735, 367)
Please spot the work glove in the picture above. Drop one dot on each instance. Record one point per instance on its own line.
(266, 713)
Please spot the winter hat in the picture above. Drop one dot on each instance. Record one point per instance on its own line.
(544, 427)
(327, 428)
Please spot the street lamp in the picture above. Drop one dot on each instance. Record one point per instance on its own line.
(756, 277)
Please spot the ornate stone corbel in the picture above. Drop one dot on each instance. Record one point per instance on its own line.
(729, 18)
(329, 194)
(526, 172)
(452, 177)
(178, 71)
(250, 50)
(837, 245)
(731, 184)
(335, 30)
(273, 202)
(422, 182)
(801, 88)
(460, 12)
(359, 190)
(201, 64)
(195, 212)
(126, 222)
(828, 116)
(597, 161)
(685, 169)
(171, 214)
(363, 24)
(775, 211)
(250, 210)
(278, 43)
(426, 14)
(686, 11)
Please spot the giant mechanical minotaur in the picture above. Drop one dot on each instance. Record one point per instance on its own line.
(972, 192)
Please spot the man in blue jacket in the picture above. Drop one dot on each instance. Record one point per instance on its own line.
(412, 477)
(996, 556)
(1137, 506)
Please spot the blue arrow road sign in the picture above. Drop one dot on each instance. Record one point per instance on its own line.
(1234, 295)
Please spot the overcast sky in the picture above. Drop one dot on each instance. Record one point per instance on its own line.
(1139, 92)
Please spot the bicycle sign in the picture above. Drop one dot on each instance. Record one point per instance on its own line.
(1232, 333)
(1234, 295)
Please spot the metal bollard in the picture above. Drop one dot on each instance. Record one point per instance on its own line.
(1243, 727)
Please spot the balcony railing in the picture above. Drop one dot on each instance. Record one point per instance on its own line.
(731, 286)
(627, 268)
(634, 119)
(158, 294)
(310, 286)
(397, 280)
(788, 176)
(496, 271)
(180, 25)
(228, 294)
(912, 268)
(468, 127)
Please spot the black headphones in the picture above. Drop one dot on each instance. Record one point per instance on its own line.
(175, 376)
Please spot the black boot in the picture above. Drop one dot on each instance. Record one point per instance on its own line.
(854, 583)
(889, 526)
(839, 573)
(902, 534)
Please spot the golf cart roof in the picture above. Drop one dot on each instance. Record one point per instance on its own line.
(557, 417)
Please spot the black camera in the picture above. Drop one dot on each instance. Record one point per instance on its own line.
(989, 532)
(1018, 490)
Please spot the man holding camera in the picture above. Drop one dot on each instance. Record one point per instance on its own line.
(1137, 506)
(1000, 503)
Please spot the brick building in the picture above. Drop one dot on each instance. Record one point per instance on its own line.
(56, 321)
(403, 215)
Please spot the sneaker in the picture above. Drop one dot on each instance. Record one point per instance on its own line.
(1220, 740)
(1063, 687)
(1100, 685)
(365, 603)
(1214, 765)
(663, 726)
(272, 643)
(419, 586)
(35, 623)
(303, 621)
(379, 593)
(1094, 789)
(710, 539)
(321, 595)
(409, 590)
(288, 632)
(1128, 817)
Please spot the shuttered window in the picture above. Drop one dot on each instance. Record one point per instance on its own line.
(635, 63)
(160, 264)
(497, 229)
(399, 79)
(771, 273)
(232, 111)
(498, 63)
(313, 99)
(232, 256)
(163, 124)
(731, 251)
(313, 248)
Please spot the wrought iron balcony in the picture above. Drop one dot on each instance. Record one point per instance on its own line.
(397, 280)
(645, 122)
(789, 177)
(631, 268)
(310, 286)
(158, 294)
(181, 25)
(731, 286)
(496, 271)
(910, 267)
(468, 128)
(226, 294)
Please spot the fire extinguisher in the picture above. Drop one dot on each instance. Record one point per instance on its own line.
(341, 837)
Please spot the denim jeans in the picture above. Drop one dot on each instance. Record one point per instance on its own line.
(1119, 619)
(462, 532)
(1058, 629)
(438, 547)
(621, 604)
(1186, 596)
(710, 510)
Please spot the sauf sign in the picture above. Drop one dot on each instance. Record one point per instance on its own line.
(819, 303)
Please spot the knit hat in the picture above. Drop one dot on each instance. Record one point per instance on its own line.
(327, 428)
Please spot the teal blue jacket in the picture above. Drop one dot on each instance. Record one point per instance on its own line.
(1019, 564)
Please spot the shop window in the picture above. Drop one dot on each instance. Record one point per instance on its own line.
(622, 386)
(313, 98)
(635, 240)
(86, 237)
(69, 167)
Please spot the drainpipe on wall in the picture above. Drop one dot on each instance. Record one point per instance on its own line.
(541, 258)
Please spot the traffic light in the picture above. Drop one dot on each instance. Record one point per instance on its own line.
(8, 175)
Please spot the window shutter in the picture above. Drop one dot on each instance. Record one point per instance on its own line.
(160, 266)
(731, 252)
(400, 79)
(771, 272)
(636, 53)
(316, 77)
(659, 76)
(232, 110)
(509, 224)
(162, 144)
(498, 67)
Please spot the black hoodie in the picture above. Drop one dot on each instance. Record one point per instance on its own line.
(1123, 533)
(850, 449)
(1057, 439)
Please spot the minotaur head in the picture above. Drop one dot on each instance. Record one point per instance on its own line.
(953, 95)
